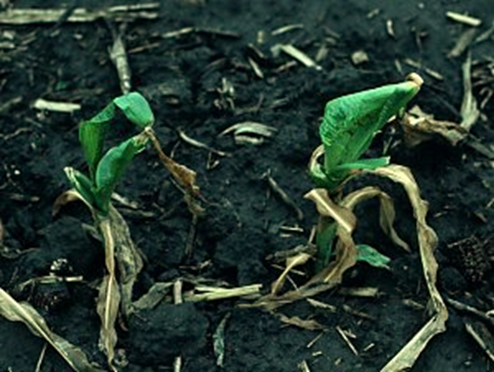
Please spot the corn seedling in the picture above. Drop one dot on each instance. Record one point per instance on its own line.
(96, 189)
(105, 171)
(348, 127)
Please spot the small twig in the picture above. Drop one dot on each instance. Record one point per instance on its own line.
(347, 340)
(303, 366)
(223, 293)
(177, 292)
(461, 18)
(118, 56)
(41, 358)
(6, 137)
(189, 246)
(177, 299)
(310, 344)
(470, 309)
(117, 13)
(198, 144)
(287, 28)
(283, 195)
(6, 106)
(208, 31)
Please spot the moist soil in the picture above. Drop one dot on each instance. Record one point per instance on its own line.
(202, 82)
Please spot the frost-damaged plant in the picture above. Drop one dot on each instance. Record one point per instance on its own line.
(95, 190)
(105, 171)
(348, 127)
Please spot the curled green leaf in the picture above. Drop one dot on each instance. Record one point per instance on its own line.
(350, 123)
(136, 109)
(112, 165)
(92, 136)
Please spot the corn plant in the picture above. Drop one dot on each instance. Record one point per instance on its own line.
(347, 129)
(105, 171)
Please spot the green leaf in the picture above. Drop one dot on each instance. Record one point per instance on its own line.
(372, 256)
(136, 109)
(351, 122)
(111, 167)
(82, 184)
(92, 136)
(370, 164)
(325, 240)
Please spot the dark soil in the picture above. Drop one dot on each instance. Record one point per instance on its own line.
(182, 77)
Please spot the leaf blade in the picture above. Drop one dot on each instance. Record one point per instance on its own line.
(136, 109)
(111, 167)
(92, 134)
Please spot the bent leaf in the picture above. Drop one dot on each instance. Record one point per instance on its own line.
(291, 262)
(25, 313)
(427, 239)
(136, 109)
(112, 165)
(66, 198)
(350, 122)
(386, 213)
(92, 136)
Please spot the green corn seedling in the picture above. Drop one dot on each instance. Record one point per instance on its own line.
(105, 171)
(347, 129)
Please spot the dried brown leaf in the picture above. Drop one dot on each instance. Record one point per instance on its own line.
(427, 242)
(345, 258)
(327, 208)
(386, 213)
(66, 198)
(183, 175)
(469, 108)
(421, 127)
(250, 127)
(153, 297)
(25, 313)
(482, 335)
(291, 262)
(311, 325)
(222, 293)
(109, 295)
(128, 258)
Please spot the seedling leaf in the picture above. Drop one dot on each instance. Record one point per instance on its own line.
(92, 136)
(372, 256)
(82, 184)
(136, 109)
(350, 123)
(112, 166)
(373, 163)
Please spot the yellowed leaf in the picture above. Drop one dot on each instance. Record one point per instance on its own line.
(386, 214)
(291, 262)
(327, 208)
(109, 296)
(311, 325)
(66, 198)
(427, 243)
(25, 313)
